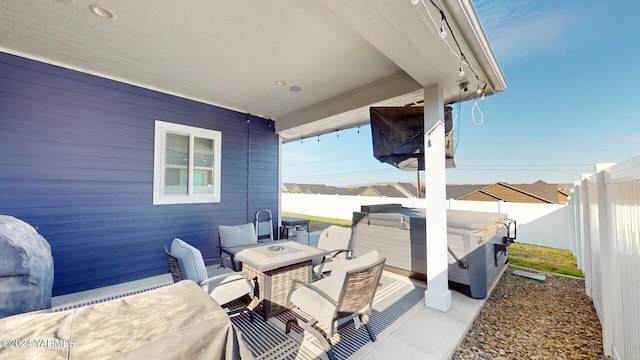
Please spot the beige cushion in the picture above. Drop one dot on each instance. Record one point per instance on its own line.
(228, 286)
(334, 238)
(316, 306)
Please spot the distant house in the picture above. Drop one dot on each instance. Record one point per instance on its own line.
(402, 190)
(457, 192)
(319, 189)
(315, 189)
(410, 190)
(538, 192)
(551, 192)
(290, 188)
(383, 191)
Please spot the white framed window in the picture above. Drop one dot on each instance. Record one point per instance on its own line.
(186, 166)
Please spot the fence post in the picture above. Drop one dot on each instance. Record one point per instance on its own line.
(576, 221)
(607, 279)
(586, 236)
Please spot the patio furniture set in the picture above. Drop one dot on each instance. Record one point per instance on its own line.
(182, 321)
(275, 276)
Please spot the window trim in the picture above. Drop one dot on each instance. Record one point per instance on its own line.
(159, 164)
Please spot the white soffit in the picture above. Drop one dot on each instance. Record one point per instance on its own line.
(342, 55)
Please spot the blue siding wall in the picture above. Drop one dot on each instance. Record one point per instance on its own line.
(76, 161)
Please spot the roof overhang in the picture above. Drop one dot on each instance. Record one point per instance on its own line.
(335, 57)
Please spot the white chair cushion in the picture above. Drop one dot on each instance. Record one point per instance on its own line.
(333, 238)
(228, 286)
(313, 304)
(237, 235)
(317, 306)
(191, 260)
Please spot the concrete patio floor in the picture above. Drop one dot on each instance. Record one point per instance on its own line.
(427, 333)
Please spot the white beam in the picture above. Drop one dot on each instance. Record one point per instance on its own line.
(395, 86)
(437, 295)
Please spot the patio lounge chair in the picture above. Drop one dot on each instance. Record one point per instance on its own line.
(232, 236)
(186, 263)
(336, 239)
(345, 295)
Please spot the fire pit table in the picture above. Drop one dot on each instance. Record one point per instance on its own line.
(275, 265)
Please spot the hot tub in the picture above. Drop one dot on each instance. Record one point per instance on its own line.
(478, 243)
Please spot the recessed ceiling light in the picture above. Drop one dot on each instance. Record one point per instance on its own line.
(66, 1)
(281, 82)
(295, 88)
(100, 11)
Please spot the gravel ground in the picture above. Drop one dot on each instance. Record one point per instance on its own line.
(524, 319)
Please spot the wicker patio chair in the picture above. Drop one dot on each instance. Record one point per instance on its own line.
(336, 239)
(345, 295)
(186, 263)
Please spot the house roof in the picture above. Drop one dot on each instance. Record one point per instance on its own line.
(383, 190)
(369, 190)
(497, 191)
(458, 191)
(320, 189)
(311, 66)
(409, 189)
(541, 189)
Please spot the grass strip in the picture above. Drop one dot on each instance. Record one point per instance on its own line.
(545, 259)
(318, 223)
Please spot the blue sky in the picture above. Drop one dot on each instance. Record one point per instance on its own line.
(572, 100)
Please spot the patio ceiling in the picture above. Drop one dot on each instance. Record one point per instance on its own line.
(335, 57)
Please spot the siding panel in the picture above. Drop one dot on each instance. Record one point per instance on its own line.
(76, 161)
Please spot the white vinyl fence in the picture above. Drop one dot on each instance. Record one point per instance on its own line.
(538, 224)
(605, 227)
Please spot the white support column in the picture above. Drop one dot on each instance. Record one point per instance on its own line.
(437, 295)
(279, 214)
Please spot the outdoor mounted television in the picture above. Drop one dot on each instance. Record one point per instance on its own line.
(398, 136)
